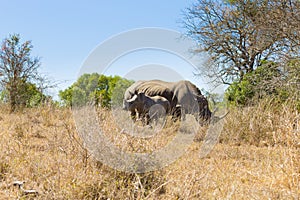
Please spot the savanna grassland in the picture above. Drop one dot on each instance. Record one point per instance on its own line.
(257, 157)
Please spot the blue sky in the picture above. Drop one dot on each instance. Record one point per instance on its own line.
(65, 32)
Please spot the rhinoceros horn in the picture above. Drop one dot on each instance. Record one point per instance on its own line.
(215, 119)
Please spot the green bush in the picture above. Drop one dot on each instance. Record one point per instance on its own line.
(28, 95)
(268, 80)
(96, 89)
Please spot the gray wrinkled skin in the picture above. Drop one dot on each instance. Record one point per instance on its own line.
(184, 97)
(141, 103)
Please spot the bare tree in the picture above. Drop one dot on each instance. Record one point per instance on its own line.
(240, 34)
(17, 69)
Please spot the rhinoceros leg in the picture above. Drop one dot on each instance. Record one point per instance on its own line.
(176, 113)
(145, 118)
(133, 116)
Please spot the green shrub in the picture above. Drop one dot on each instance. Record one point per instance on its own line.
(96, 89)
(268, 80)
(28, 95)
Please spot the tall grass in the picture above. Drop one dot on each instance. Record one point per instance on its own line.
(257, 157)
(268, 123)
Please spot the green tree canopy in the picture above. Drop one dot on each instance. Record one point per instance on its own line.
(238, 35)
(19, 73)
(30, 93)
(268, 80)
(97, 89)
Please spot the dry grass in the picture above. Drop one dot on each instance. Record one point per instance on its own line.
(266, 124)
(258, 157)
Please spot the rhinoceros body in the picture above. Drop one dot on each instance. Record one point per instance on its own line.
(140, 104)
(182, 95)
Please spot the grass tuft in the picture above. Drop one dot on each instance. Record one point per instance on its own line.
(257, 157)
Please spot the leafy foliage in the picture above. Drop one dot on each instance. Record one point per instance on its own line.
(31, 95)
(239, 35)
(19, 74)
(268, 80)
(97, 89)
